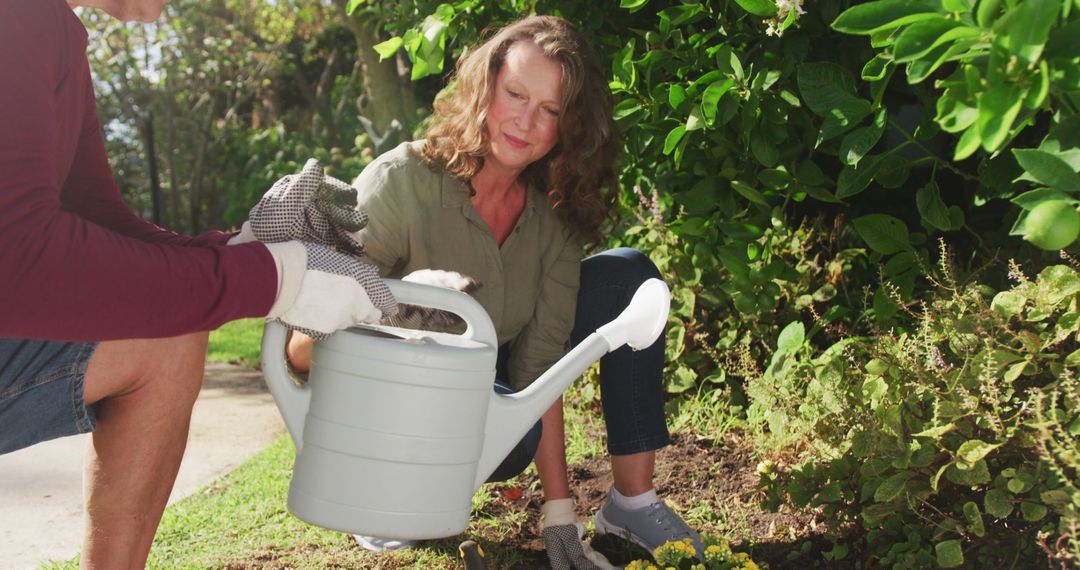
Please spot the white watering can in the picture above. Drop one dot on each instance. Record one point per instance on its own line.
(396, 429)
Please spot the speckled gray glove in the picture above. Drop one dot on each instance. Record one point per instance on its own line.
(308, 206)
(563, 536)
(426, 318)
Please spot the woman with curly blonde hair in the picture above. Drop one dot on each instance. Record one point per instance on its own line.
(580, 182)
(516, 174)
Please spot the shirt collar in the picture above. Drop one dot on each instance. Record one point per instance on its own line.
(455, 194)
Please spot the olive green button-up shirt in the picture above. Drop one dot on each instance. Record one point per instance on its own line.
(421, 218)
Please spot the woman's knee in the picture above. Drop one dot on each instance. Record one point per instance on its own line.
(624, 266)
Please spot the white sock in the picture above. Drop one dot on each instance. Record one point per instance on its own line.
(636, 502)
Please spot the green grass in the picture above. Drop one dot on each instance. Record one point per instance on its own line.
(237, 342)
(241, 522)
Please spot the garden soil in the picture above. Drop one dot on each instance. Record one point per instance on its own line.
(691, 471)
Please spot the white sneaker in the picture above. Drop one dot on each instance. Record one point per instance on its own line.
(376, 544)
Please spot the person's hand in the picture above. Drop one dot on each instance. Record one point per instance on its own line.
(322, 290)
(426, 318)
(563, 539)
(308, 206)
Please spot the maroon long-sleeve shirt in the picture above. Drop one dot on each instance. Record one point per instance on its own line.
(75, 261)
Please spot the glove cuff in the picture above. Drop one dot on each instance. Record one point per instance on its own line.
(245, 235)
(290, 257)
(557, 512)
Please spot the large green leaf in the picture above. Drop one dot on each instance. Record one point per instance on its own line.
(862, 140)
(1028, 200)
(1032, 511)
(872, 17)
(842, 118)
(876, 68)
(997, 503)
(998, 108)
(855, 179)
(749, 192)
(892, 487)
(977, 474)
(1064, 41)
(954, 114)
(353, 5)
(1064, 141)
(763, 149)
(883, 233)
(969, 143)
(825, 86)
(673, 138)
(763, 8)
(949, 554)
(711, 97)
(932, 209)
(388, 48)
(1048, 169)
(987, 12)
(973, 450)
(921, 37)
(792, 337)
(682, 380)
(920, 69)
(958, 5)
(1030, 28)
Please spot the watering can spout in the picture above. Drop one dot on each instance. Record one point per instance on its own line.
(510, 416)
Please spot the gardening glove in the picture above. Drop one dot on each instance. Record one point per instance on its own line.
(426, 318)
(321, 290)
(308, 206)
(563, 538)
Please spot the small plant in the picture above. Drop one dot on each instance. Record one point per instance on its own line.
(680, 555)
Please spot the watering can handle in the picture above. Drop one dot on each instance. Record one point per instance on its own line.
(291, 398)
(477, 321)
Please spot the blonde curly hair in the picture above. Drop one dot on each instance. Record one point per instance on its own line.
(579, 173)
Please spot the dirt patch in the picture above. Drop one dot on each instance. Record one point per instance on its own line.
(712, 483)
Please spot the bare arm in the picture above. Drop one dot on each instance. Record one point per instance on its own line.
(298, 351)
(551, 455)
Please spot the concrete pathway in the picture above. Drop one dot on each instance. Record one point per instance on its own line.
(41, 487)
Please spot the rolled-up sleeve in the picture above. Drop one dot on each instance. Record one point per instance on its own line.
(385, 238)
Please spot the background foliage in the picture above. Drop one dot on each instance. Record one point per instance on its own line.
(832, 189)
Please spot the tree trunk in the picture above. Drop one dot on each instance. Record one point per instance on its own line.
(388, 92)
(151, 158)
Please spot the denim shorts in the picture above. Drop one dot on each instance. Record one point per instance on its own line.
(41, 391)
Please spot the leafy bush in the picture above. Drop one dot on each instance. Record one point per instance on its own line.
(790, 185)
(996, 67)
(952, 444)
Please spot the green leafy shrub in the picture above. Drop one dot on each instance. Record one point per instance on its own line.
(955, 443)
(995, 68)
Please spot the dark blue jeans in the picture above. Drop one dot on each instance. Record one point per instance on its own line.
(631, 382)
